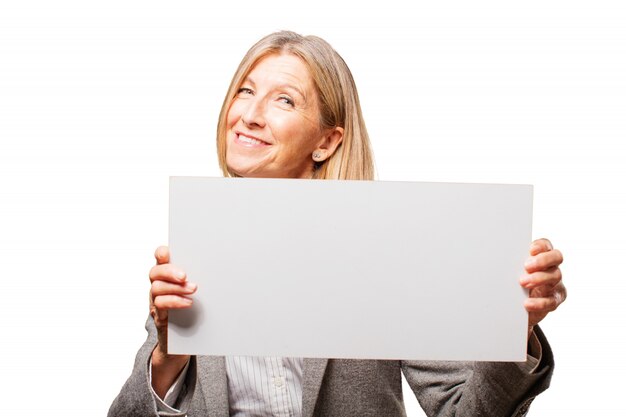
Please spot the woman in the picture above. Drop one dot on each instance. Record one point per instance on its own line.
(292, 111)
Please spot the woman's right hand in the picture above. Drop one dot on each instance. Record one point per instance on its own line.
(170, 290)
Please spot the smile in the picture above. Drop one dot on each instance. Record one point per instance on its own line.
(249, 141)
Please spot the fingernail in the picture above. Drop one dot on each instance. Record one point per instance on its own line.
(530, 262)
(190, 287)
(180, 275)
(524, 280)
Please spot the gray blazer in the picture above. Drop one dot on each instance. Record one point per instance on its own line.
(342, 387)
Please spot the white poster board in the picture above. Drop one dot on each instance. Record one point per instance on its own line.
(351, 269)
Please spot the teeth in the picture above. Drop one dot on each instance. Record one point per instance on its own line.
(251, 141)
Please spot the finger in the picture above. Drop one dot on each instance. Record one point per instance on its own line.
(171, 302)
(550, 277)
(167, 272)
(162, 255)
(540, 245)
(159, 316)
(165, 288)
(541, 305)
(547, 301)
(560, 292)
(544, 261)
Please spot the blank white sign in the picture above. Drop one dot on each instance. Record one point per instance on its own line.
(351, 269)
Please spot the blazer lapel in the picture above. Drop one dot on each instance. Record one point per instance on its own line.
(214, 384)
(312, 376)
(212, 378)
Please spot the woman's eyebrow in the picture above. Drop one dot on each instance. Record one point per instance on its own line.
(248, 80)
(292, 87)
(283, 86)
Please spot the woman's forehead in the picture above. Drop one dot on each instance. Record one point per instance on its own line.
(284, 68)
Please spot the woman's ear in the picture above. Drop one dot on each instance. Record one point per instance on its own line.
(329, 144)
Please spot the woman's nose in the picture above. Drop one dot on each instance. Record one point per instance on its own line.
(253, 114)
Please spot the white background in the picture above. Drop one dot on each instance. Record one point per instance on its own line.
(101, 102)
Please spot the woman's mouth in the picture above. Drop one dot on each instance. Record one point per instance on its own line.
(249, 141)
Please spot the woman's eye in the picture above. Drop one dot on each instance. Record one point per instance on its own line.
(286, 100)
(244, 91)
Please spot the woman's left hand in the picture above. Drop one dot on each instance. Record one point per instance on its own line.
(543, 279)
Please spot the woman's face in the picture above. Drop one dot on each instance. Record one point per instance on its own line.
(273, 124)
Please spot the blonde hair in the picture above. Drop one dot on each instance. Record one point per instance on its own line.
(338, 103)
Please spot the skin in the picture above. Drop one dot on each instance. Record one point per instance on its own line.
(277, 106)
(169, 290)
(543, 279)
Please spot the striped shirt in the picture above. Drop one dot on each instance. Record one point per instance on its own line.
(264, 386)
(257, 387)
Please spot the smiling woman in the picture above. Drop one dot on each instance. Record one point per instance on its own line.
(273, 126)
(297, 96)
(292, 111)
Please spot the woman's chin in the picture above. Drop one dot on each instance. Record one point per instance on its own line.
(244, 165)
(249, 171)
(248, 167)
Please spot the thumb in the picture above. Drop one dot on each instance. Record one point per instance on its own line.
(162, 255)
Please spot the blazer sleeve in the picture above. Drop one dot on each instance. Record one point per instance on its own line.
(490, 389)
(137, 399)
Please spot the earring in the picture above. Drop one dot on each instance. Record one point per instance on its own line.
(317, 156)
